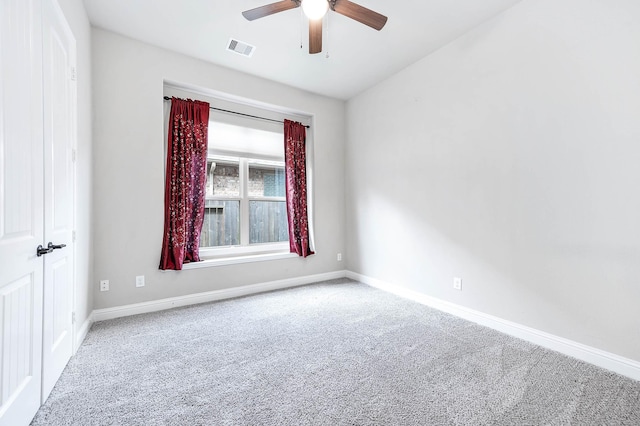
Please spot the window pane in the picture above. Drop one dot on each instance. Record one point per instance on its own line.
(223, 179)
(266, 181)
(268, 222)
(221, 225)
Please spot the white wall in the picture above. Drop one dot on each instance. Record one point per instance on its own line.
(77, 18)
(129, 171)
(510, 158)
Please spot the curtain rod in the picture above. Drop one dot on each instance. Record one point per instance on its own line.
(167, 98)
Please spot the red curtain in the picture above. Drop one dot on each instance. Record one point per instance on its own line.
(185, 183)
(295, 158)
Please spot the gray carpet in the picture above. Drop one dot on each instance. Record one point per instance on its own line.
(333, 353)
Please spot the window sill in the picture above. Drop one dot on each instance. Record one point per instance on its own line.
(223, 261)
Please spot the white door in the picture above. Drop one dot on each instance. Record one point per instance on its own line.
(59, 142)
(37, 137)
(21, 210)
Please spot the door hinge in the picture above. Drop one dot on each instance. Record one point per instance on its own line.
(73, 74)
(73, 317)
(74, 155)
(73, 236)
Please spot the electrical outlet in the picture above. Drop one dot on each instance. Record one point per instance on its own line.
(457, 283)
(339, 257)
(140, 281)
(104, 285)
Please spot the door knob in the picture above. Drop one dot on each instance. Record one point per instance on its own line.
(41, 250)
(53, 247)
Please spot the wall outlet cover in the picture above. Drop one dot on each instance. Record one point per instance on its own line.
(140, 281)
(457, 283)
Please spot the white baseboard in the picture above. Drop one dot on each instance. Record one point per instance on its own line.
(209, 296)
(81, 333)
(624, 366)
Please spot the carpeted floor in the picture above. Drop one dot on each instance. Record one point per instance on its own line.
(333, 353)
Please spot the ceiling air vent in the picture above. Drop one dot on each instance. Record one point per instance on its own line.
(240, 48)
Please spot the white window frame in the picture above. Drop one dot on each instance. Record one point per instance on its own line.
(245, 247)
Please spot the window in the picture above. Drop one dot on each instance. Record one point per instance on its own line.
(245, 209)
(245, 217)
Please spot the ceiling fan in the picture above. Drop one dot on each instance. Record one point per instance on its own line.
(315, 11)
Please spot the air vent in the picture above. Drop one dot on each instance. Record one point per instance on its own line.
(240, 48)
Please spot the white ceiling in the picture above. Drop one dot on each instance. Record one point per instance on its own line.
(359, 57)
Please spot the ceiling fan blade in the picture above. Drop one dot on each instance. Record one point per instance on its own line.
(315, 36)
(270, 9)
(360, 14)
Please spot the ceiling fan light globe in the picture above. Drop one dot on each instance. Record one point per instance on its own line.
(315, 9)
